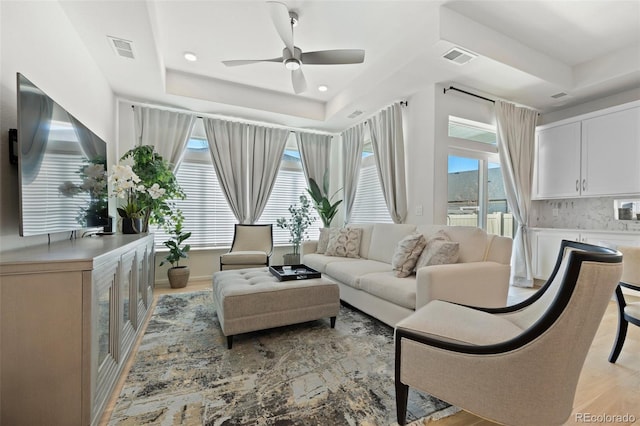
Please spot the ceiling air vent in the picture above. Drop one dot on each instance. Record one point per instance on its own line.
(354, 114)
(122, 47)
(459, 56)
(559, 95)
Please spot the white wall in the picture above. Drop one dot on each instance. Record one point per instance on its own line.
(37, 40)
(419, 123)
(609, 101)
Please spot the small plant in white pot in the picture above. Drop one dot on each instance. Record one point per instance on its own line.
(297, 225)
(178, 274)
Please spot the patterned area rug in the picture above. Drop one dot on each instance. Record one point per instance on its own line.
(305, 374)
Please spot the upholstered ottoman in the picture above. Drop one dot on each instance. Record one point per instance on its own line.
(253, 299)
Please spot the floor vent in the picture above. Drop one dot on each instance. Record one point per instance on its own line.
(354, 114)
(459, 56)
(122, 47)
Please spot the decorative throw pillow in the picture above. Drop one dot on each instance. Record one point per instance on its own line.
(440, 250)
(344, 242)
(407, 252)
(323, 240)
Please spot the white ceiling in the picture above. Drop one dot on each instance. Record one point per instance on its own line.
(528, 51)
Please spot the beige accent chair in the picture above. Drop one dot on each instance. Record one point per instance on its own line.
(514, 365)
(628, 312)
(251, 248)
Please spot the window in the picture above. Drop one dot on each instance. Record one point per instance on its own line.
(476, 191)
(207, 214)
(289, 186)
(369, 205)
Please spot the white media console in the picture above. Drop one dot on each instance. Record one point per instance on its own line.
(70, 313)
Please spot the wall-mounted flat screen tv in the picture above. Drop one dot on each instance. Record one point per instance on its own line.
(62, 167)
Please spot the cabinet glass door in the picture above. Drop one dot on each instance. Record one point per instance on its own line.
(104, 331)
(128, 306)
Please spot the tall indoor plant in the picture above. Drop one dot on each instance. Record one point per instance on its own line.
(323, 203)
(178, 274)
(297, 225)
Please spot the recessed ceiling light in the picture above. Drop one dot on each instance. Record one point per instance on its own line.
(323, 88)
(190, 56)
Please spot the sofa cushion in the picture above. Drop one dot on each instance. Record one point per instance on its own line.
(473, 242)
(385, 285)
(407, 252)
(439, 250)
(349, 273)
(323, 240)
(365, 240)
(319, 261)
(344, 242)
(385, 237)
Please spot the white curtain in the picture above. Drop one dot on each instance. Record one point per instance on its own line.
(516, 136)
(314, 153)
(266, 146)
(227, 145)
(352, 144)
(388, 146)
(167, 131)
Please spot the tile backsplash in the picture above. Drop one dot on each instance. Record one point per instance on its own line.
(578, 213)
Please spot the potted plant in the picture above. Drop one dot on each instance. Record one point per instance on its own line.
(297, 225)
(322, 202)
(158, 181)
(178, 274)
(126, 186)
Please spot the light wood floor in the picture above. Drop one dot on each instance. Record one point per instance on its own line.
(603, 388)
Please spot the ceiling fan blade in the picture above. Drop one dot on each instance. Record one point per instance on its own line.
(235, 63)
(333, 57)
(298, 80)
(282, 22)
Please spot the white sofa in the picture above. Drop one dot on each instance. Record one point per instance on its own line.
(479, 278)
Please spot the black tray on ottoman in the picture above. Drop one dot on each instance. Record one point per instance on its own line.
(297, 272)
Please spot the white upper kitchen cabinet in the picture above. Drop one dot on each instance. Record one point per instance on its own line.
(593, 155)
(611, 154)
(557, 162)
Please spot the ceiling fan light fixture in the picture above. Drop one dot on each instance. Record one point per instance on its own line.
(190, 56)
(292, 64)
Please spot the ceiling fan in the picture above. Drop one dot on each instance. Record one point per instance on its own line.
(292, 57)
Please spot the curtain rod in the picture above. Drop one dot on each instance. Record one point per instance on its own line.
(468, 93)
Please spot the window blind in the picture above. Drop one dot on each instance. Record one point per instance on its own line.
(369, 205)
(289, 186)
(207, 215)
(48, 212)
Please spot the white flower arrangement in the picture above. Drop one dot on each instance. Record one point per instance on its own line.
(126, 185)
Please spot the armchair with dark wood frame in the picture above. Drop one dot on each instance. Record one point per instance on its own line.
(514, 365)
(252, 247)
